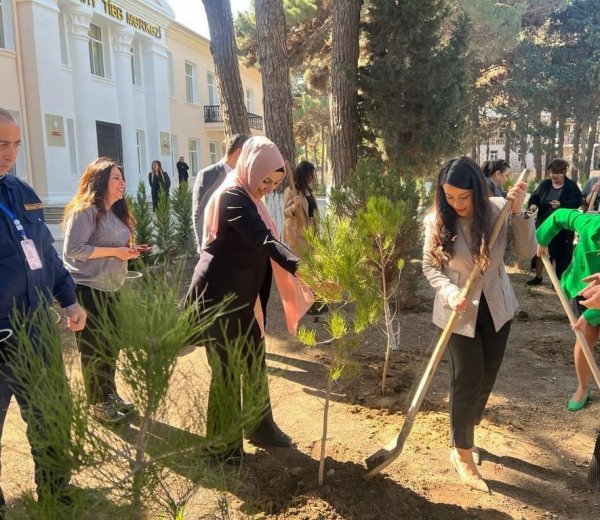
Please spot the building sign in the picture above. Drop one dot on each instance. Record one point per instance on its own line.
(55, 130)
(118, 13)
(165, 143)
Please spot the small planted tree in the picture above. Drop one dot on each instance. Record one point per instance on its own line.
(165, 229)
(335, 267)
(182, 211)
(379, 224)
(144, 232)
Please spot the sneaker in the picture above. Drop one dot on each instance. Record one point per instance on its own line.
(120, 404)
(107, 413)
(535, 281)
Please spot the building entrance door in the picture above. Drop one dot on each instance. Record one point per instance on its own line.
(109, 141)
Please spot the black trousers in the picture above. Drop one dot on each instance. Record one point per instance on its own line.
(49, 442)
(234, 347)
(475, 364)
(560, 249)
(98, 358)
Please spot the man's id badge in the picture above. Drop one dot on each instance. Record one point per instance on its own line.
(31, 254)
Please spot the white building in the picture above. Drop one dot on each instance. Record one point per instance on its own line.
(87, 78)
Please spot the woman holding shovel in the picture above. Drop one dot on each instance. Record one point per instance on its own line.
(586, 262)
(457, 232)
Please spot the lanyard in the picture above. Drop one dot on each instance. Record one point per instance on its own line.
(12, 216)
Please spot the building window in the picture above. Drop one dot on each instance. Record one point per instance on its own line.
(171, 76)
(493, 155)
(214, 152)
(136, 72)
(250, 100)
(191, 92)
(2, 43)
(141, 151)
(193, 147)
(96, 52)
(213, 99)
(7, 40)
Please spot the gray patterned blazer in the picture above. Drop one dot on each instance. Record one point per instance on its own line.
(452, 276)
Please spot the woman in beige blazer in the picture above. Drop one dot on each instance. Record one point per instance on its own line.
(300, 212)
(456, 235)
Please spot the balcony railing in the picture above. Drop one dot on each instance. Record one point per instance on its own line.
(212, 114)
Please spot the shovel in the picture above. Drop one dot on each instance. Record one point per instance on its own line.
(585, 348)
(386, 455)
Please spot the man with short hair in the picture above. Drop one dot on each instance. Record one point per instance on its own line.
(182, 170)
(31, 274)
(210, 178)
(592, 186)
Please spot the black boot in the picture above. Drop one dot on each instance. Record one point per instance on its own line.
(267, 433)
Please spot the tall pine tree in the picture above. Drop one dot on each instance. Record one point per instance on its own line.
(415, 81)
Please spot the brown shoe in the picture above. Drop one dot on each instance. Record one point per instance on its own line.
(468, 473)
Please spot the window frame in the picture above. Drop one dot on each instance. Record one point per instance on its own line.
(96, 52)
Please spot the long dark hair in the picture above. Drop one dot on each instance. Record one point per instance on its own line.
(302, 176)
(92, 189)
(463, 173)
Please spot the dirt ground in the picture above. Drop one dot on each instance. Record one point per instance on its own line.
(535, 453)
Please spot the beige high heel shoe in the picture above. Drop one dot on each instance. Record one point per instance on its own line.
(469, 478)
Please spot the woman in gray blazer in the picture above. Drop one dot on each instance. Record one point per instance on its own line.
(457, 231)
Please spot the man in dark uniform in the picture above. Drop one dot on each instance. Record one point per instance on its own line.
(31, 273)
(182, 170)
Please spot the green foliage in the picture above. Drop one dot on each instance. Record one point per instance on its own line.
(182, 211)
(414, 81)
(144, 233)
(372, 179)
(165, 229)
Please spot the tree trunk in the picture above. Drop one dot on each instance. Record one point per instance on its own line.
(507, 144)
(523, 147)
(344, 93)
(576, 161)
(224, 53)
(275, 68)
(591, 141)
(537, 155)
(560, 148)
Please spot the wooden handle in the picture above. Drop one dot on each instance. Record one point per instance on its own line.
(288, 172)
(592, 202)
(587, 352)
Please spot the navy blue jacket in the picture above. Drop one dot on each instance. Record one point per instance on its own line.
(19, 285)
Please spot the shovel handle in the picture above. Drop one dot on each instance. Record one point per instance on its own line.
(288, 172)
(592, 202)
(587, 352)
(379, 461)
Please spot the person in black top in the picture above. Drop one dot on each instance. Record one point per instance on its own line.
(241, 246)
(558, 191)
(159, 181)
(182, 170)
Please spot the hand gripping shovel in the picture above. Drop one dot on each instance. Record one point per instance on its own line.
(386, 455)
(587, 352)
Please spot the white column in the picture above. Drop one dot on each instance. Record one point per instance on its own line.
(158, 114)
(79, 19)
(122, 40)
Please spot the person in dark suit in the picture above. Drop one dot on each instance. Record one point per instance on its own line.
(209, 179)
(182, 170)
(241, 246)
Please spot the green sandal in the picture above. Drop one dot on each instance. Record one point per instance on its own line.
(574, 406)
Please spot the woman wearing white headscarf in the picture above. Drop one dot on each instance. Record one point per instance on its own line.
(240, 249)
